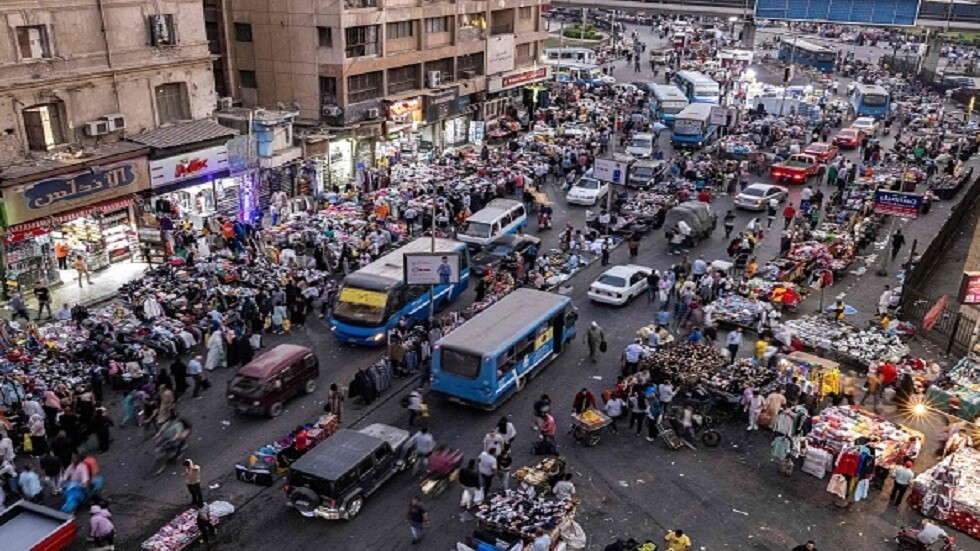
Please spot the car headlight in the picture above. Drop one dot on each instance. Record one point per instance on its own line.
(378, 336)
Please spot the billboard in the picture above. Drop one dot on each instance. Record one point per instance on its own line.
(863, 12)
(431, 268)
(609, 170)
(500, 53)
(897, 203)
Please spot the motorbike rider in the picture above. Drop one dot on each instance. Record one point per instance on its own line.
(930, 534)
(442, 461)
(173, 434)
(423, 443)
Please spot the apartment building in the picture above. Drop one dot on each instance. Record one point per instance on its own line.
(383, 67)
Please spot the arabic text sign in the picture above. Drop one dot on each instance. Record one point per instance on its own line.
(64, 193)
(188, 165)
(897, 203)
(373, 299)
(970, 288)
(431, 268)
(608, 170)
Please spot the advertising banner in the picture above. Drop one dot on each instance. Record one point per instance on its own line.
(431, 268)
(897, 203)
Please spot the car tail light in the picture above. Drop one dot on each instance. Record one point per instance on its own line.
(332, 503)
(287, 488)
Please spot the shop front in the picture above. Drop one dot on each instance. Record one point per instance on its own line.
(505, 93)
(407, 138)
(194, 186)
(441, 110)
(87, 213)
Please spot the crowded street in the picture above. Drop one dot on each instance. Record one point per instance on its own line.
(758, 310)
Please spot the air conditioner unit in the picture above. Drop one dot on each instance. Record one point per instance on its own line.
(372, 113)
(225, 103)
(117, 121)
(433, 79)
(331, 111)
(96, 128)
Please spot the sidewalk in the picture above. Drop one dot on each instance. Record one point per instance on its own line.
(105, 285)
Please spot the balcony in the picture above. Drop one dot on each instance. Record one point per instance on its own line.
(359, 4)
(470, 34)
(504, 28)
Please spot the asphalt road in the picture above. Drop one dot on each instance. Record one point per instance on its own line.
(730, 497)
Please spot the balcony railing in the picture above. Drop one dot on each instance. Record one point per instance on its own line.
(507, 28)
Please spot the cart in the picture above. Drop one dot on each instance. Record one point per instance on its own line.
(539, 476)
(587, 428)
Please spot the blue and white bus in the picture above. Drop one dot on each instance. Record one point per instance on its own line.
(666, 101)
(806, 53)
(698, 87)
(570, 56)
(870, 100)
(692, 126)
(492, 356)
(373, 299)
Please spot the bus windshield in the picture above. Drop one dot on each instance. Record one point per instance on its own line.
(672, 107)
(706, 92)
(362, 307)
(459, 363)
(687, 127)
(476, 229)
(874, 100)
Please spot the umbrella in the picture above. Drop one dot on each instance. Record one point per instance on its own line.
(657, 126)
(848, 309)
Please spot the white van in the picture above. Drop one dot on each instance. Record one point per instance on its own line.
(499, 217)
(641, 146)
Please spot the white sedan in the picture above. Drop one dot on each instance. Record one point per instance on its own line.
(758, 196)
(587, 191)
(619, 284)
(866, 125)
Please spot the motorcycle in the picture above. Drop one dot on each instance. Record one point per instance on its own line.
(544, 221)
(907, 540)
(434, 484)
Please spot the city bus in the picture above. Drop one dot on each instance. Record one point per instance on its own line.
(666, 101)
(581, 73)
(870, 100)
(807, 53)
(491, 356)
(692, 126)
(574, 56)
(373, 299)
(698, 87)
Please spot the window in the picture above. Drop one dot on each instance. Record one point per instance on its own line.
(172, 103)
(403, 79)
(473, 20)
(247, 79)
(364, 87)
(162, 31)
(524, 52)
(470, 65)
(243, 32)
(42, 124)
(459, 363)
(354, 4)
(444, 66)
(328, 90)
(364, 468)
(525, 13)
(33, 42)
(401, 29)
(437, 25)
(324, 36)
(361, 41)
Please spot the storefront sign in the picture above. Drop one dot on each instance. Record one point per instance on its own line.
(405, 111)
(500, 53)
(188, 165)
(63, 193)
(897, 203)
(970, 288)
(516, 78)
(441, 105)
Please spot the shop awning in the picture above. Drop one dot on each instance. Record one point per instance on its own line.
(183, 134)
(63, 163)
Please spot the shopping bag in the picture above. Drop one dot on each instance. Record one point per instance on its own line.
(28, 445)
(764, 419)
(603, 346)
(286, 324)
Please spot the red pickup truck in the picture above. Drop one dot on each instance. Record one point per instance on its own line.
(797, 169)
(25, 525)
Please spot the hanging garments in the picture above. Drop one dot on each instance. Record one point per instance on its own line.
(861, 491)
(780, 447)
(838, 486)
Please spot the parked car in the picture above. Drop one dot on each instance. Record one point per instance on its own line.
(868, 125)
(619, 284)
(848, 138)
(646, 174)
(332, 480)
(757, 196)
(587, 191)
(823, 151)
(263, 385)
(491, 255)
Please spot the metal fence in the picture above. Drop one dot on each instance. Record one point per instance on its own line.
(952, 331)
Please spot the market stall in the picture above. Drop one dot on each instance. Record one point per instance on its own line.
(182, 531)
(950, 491)
(518, 514)
(958, 391)
(269, 462)
(848, 343)
(823, 374)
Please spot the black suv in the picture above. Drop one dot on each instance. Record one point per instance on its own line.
(493, 253)
(332, 480)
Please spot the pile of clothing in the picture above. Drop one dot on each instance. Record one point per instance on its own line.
(734, 378)
(522, 512)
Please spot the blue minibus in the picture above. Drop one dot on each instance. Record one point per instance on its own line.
(698, 87)
(870, 100)
(666, 101)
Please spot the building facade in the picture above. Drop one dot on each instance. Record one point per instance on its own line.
(382, 68)
(78, 80)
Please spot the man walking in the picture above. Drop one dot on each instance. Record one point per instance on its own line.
(19, 307)
(733, 341)
(898, 240)
(195, 368)
(487, 467)
(43, 296)
(788, 214)
(595, 339)
(884, 301)
(903, 476)
(418, 519)
(82, 268)
(192, 477)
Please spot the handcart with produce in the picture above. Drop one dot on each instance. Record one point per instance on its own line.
(587, 427)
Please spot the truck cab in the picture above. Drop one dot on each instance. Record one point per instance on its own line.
(797, 168)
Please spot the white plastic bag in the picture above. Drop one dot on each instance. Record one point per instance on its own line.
(573, 535)
(219, 509)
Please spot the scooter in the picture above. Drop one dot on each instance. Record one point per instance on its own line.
(544, 221)
(907, 540)
(433, 485)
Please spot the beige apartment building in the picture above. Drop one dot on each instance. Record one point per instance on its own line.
(384, 67)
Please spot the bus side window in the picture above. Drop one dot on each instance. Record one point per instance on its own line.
(520, 212)
(464, 259)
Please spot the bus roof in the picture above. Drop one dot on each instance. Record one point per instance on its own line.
(492, 330)
(697, 111)
(696, 77)
(809, 46)
(871, 89)
(668, 92)
(493, 209)
(390, 267)
(570, 50)
(589, 66)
